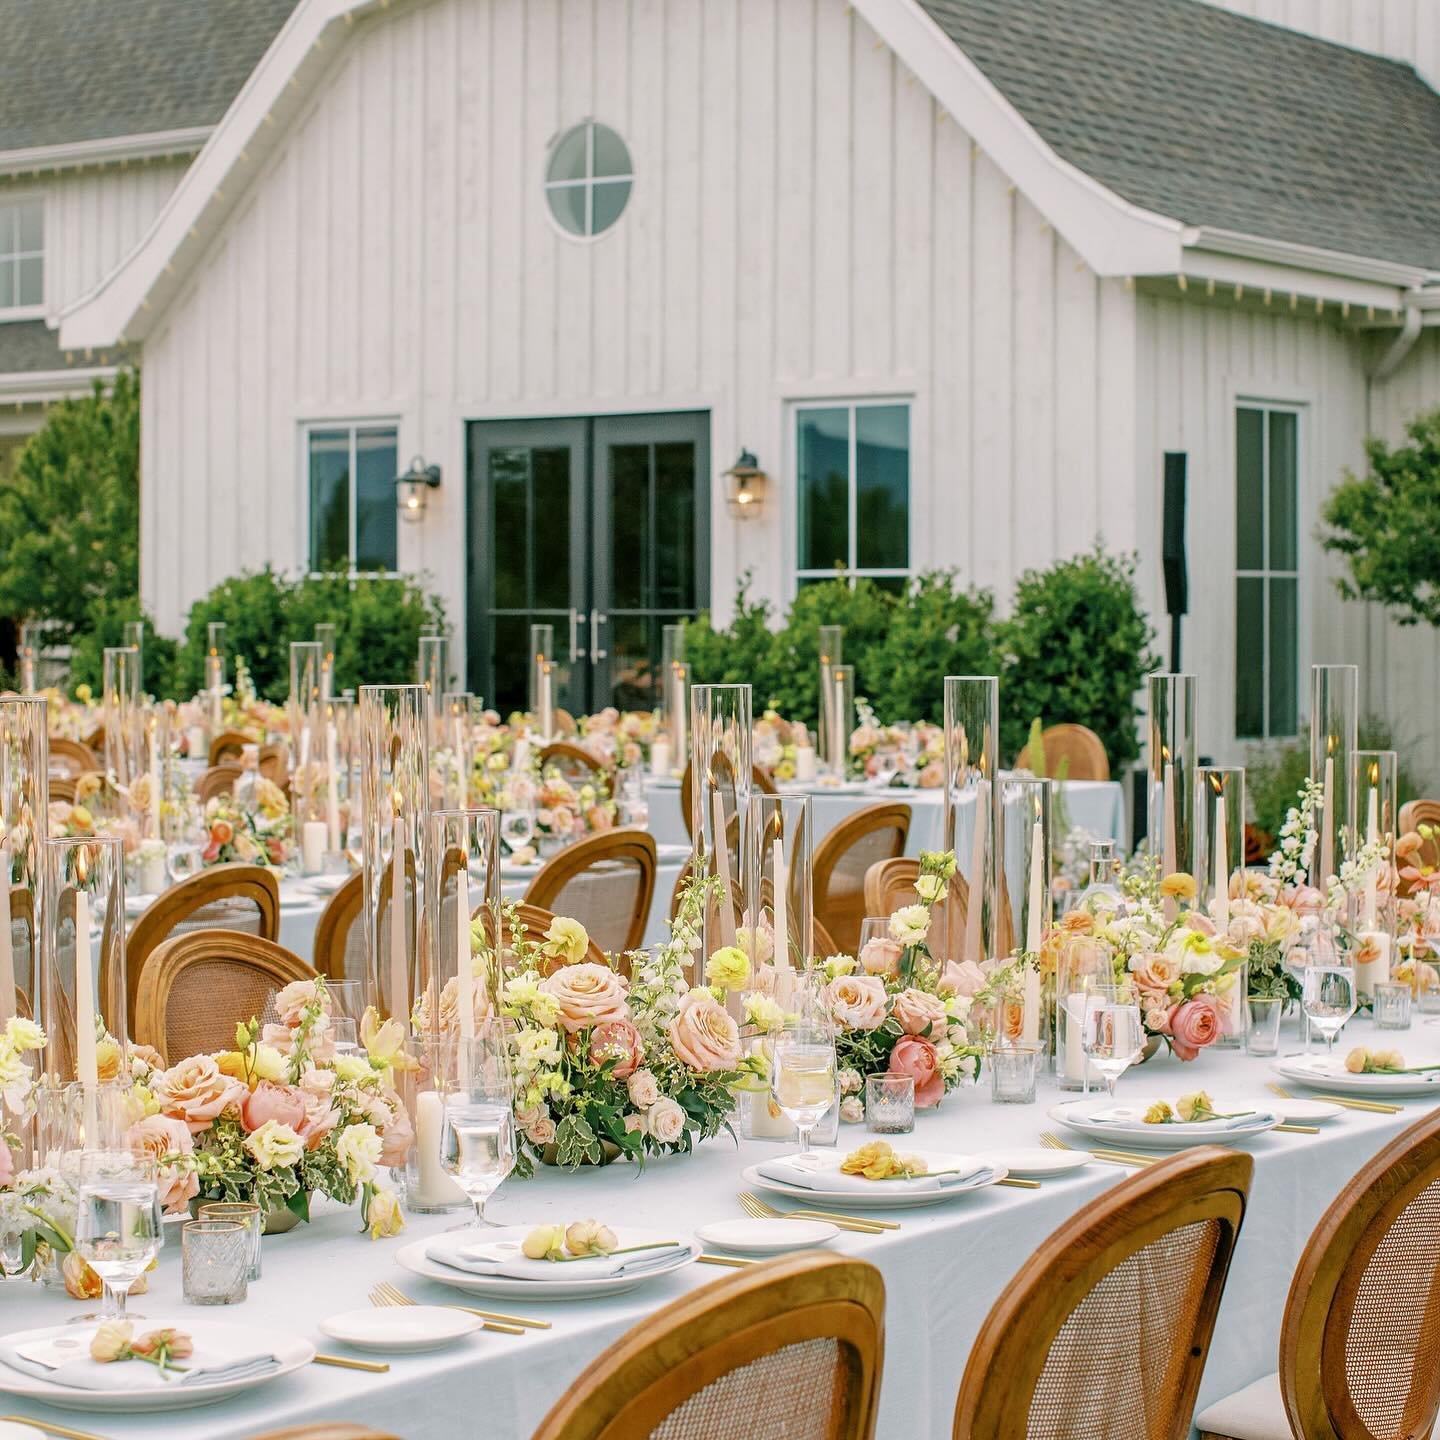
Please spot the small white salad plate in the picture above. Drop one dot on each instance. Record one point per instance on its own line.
(1036, 1164)
(1322, 1072)
(881, 1194)
(1132, 1132)
(1301, 1111)
(401, 1329)
(767, 1237)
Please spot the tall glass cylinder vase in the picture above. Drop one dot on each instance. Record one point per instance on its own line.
(155, 763)
(215, 675)
(459, 707)
(1334, 725)
(970, 928)
(1172, 753)
(83, 1001)
(133, 635)
(433, 672)
(832, 638)
(302, 708)
(326, 634)
(840, 718)
(779, 882)
(395, 826)
(340, 782)
(720, 721)
(1375, 787)
(542, 649)
(24, 763)
(122, 721)
(677, 703)
(672, 652)
(1027, 829)
(1219, 812)
(31, 638)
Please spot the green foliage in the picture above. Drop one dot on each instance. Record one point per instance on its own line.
(70, 513)
(379, 618)
(1077, 649)
(1386, 525)
(106, 627)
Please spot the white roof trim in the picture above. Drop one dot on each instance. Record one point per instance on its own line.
(110, 150)
(1309, 257)
(39, 386)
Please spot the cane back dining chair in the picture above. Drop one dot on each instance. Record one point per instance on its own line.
(1103, 1332)
(1072, 752)
(339, 949)
(1360, 1340)
(760, 780)
(800, 1338)
(606, 882)
(844, 857)
(196, 988)
(70, 759)
(229, 745)
(218, 780)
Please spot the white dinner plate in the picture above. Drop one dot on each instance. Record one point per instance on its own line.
(325, 884)
(414, 1259)
(1176, 1136)
(767, 1237)
(1300, 1111)
(1314, 1071)
(290, 1350)
(886, 1197)
(401, 1329)
(672, 851)
(1036, 1164)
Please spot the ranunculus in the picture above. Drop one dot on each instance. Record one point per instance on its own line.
(857, 1001)
(283, 1104)
(643, 1089)
(1194, 1025)
(1178, 886)
(157, 1136)
(274, 1145)
(620, 1041)
(918, 1011)
(589, 1237)
(961, 978)
(916, 1057)
(196, 1092)
(881, 956)
(588, 994)
(703, 1035)
(910, 924)
(728, 968)
(665, 1120)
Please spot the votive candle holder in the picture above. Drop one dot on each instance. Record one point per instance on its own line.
(214, 1261)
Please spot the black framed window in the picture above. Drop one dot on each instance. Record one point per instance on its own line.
(351, 470)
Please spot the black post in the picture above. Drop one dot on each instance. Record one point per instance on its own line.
(1173, 550)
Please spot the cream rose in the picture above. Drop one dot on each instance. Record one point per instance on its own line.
(703, 1035)
(1153, 971)
(294, 999)
(910, 924)
(274, 1145)
(196, 1092)
(665, 1121)
(588, 994)
(881, 956)
(919, 1012)
(963, 977)
(643, 1089)
(857, 1001)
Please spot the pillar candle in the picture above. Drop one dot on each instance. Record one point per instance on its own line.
(1170, 849)
(332, 794)
(804, 759)
(399, 969)
(313, 837)
(976, 878)
(154, 779)
(722, 869)
(547, 701)
(1222, 868)
(781, 878)
(1327, 827)
(1074, 1059)
(1035, 918)
(464, 974)
(1372, 834)
(7, 956)
(839, 743)
(85, 1062)
(435, 1187)
(681, 720)
(660, 756)
(461, 769)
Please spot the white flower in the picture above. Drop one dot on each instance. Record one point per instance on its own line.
(665, 1121)
(642, 1089)
(358, 1150)
(930, 887)
(852, 1109)
(24, 1034)
(763, 1013)
(274, 1145)
(910, 924)
(850, 1082)
(837, 965)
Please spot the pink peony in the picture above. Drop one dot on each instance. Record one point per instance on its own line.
(157, 1136)
(589, 994)
(1194, 1025)
(918, 1012)
(961, 978)
(283, 1104)
(619, 1041)
(196, 1092)
(857, 1001)
(881, 956)
(916, 1057)
(703, 1036)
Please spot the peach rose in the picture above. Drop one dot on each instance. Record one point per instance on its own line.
(620, 1041)
(919, 1012)
(1153, 971)
(7, 1163)
(703, 1036)
(961, 978)
(283, 1104)
(293, 999)
(320, 1119)
(916, 1057)
(881, 956)
(1194, 1025)
(589, 994)
(157, 1136)
(196, 1092)
(396, 1136)
(857, 1001)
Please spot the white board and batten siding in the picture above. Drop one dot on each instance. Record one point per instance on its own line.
(806, 223)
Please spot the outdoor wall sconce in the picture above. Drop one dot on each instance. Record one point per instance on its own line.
(745, 491)
(412, 485)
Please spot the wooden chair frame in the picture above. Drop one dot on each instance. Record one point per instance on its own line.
(228, 745)
(635, 847)
(176, 955)
(653, 1369)
(220, 882)
(888, 815)
(327, 1430)
(60, 787)
(1077, 744)
(77, 758)
(569, 754)
(332, 930)
(885, 878)
(760, 780)
(1009, 1354)
(217, 780)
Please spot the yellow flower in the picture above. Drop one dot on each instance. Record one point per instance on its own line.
(545, 1242)
(1195, 1107)
(231, 1063)
(84, 694)
(274, 1145)
(383, 1215)
(107, 1060)
(384, 1043)
(763, 1013)
(873, 1161)
(566, 940)
(268, 1063)
(589, 1237)
(1357, 1062)
(1159, 1113)
(111, 1341)
(728, 968)
(1178, 886)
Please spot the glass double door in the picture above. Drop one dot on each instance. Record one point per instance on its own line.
(596, 527)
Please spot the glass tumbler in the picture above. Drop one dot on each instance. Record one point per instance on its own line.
(242, 1212)
(214, 1261)
(1014, 1067)
(1393, 1000)
(890, 1104)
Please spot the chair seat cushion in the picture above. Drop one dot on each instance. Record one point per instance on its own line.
(1255, 1413)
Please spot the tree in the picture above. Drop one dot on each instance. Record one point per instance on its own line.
(1387, 525)
(70, 514)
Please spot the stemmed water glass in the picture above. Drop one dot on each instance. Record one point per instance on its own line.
(1329, 1000)
(477, 1140)
(517, 827)
(1114, 1036)
(802, 1076)
(118, 1227)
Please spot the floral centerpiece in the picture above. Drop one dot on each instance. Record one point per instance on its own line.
(261, 834)
(564, 809)
(620, 738)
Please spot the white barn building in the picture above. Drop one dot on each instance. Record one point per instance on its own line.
(958, 273)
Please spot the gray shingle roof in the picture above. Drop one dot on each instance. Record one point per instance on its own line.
(89, 69)
(1213, 118)
(28, 347)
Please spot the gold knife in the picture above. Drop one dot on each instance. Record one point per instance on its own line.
(376, 1367)
(51, 1428)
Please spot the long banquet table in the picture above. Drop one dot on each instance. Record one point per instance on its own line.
(942, 1271)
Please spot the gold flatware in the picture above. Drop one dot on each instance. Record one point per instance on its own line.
(395, 1296)
(51, 1428)
(380, 1296)
(754, 1205)
(1346, 1102)
(734, 1261)
(1019, 1184)
(1299, 1129)
(376, 1367)
(1110, 1157)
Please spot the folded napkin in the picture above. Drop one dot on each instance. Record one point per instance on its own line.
(1333, 1068)
(787, 1170)
(1129, 1117)
(503, 1257)
(61, 1355)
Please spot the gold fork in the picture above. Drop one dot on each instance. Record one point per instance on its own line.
(1113, 1157)
(51, 1428)
(754, 1205)
(1346, 1102)
(399, 1297)
(384, 1295)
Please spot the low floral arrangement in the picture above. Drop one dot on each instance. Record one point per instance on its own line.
(262, 835)
(564, 811)
(1193, 1109)
(775, 741)
(620, 738)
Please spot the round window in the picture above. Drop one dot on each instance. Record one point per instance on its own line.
(587, 182)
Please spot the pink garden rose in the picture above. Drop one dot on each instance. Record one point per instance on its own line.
(157, 1136)
(396, 1136)
(857, 1001)
(1194, 1025)
(283, 1104)
(703, 1035)
(962, 978)
(292, 1000)
(589, 994)
(881, 956)
(917, 1011)
(916, 1057)
(196, 1092)
(619, 1041)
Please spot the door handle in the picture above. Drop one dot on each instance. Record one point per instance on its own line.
(575, 652)
(596, 621)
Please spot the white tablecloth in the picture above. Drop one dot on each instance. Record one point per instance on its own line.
(942, 1270)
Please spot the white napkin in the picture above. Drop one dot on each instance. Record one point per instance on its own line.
(1130, 1117)
(503, 1257)
(43, 1354)
(1333, 1068)
(787, 1170)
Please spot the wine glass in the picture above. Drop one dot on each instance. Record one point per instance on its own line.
(183, 861)
(345, 1035)
(1329, 1000)
(516, 828)
(1114, 1036)
(118, 1228)
(802, 1076)
(477, 1140)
